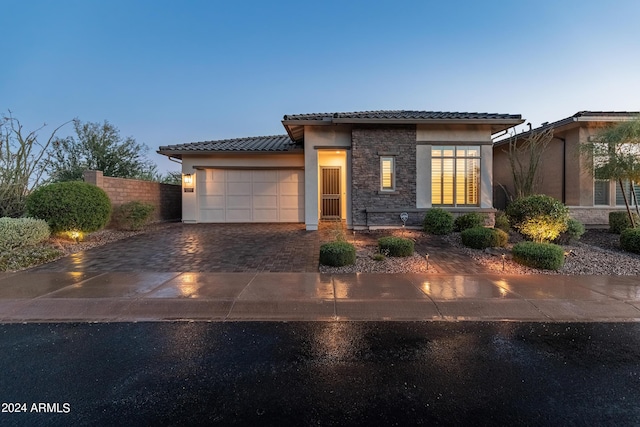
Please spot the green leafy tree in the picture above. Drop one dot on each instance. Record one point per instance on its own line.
(24, 160)
(614, 153)
(99, 147)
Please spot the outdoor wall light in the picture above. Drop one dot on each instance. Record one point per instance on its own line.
(187, 181)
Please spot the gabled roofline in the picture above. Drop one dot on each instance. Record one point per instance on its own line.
(295, 126)
(576, 120)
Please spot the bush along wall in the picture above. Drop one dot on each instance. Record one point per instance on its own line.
(619, 221)
(482, 238)
(70, 206)
(438, 221)
(630, 240)
(132, 215)
(539, 217)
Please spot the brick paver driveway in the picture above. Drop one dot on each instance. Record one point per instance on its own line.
(203, 248)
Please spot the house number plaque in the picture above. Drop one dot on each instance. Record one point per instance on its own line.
(404, 217)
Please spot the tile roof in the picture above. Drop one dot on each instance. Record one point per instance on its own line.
(402, 115)
(580, 116)
(274, 143)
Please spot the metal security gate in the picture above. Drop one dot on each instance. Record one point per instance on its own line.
(330, 192)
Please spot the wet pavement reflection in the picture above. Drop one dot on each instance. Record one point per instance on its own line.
(324, 373)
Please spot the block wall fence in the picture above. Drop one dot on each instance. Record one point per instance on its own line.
(167, 198)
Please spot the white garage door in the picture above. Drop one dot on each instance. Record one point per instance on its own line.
(230, 195)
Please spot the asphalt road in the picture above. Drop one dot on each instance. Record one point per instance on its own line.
(320, 373)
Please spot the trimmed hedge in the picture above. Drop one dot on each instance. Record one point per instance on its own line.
(502, 222)
(337, 254)
(468, 220)
(395, 246)
(539, 217)
(630, 240)
(481, 238)
(132, 215)
(546, 256)
(18, 233)
(71, 205)
(575, 230)
(619, 221)
(438, 221)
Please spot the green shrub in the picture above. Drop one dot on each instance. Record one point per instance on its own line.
(619, 221)
(502, 222)
(468, 220)
(395, 246)
(546, 256)
(21, 232)
(481, 237)
(540, 218)
(25, 257)
(438, 221)
(133, 215)
(337, 254)
(630, 240)
(70, 205)
(575, 230)
(378, 257)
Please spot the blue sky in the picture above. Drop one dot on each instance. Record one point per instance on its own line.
(167, 72)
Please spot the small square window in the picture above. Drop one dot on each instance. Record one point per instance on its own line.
(387, 174)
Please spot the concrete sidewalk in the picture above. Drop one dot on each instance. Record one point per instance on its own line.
(30, 296)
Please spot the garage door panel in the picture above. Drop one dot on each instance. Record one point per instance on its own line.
(212, 215)
(265, 188)
(238, 215)
(212, 201)
(289, 176)
(265, 176)
(213, 188)
(239, 175)
(262, 202)
(289, 188)
(251, 195)
(265, 215)
(243, 202)
(239, 188)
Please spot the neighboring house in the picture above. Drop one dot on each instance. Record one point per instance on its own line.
(562, 170)
(365, 168)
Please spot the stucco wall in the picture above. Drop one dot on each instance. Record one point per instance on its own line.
(166, 198)
(316, 140)
(550, 172)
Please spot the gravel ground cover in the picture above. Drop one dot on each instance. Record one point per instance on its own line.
(598, 252)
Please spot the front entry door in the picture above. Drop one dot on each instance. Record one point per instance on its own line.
(330, 192)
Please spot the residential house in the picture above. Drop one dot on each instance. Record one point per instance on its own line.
(365, 168)
(563, 172)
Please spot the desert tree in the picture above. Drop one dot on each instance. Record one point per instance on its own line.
(614, 154)
(99, 146)
(525, 155)
(24, 163)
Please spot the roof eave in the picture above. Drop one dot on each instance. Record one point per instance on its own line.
(295, 128)
(570, 123)
(180, 153)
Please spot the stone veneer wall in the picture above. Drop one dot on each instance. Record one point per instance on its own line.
(593, 216)
(167, 198)
(368, 144)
